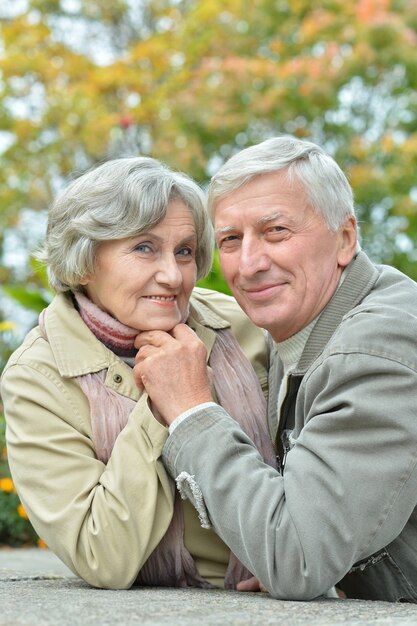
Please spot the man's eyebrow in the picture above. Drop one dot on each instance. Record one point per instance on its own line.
(225, 229)
(269, 218)
(265, 219)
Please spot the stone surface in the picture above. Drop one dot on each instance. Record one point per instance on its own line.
(36, 589)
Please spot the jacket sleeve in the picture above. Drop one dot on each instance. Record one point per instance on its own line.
(103, 521)
(348, 487)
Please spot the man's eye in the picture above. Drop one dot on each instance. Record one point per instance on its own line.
(227, 241)
(276, 232)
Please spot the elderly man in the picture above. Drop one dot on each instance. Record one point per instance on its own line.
(342, 412)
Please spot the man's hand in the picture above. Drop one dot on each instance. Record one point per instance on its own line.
(172, 368)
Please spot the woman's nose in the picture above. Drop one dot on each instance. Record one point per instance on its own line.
(168, 272)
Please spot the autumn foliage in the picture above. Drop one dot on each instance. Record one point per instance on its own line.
(190, 82)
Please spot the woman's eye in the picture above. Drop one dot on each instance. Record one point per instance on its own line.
(143, 247)
(185, 252)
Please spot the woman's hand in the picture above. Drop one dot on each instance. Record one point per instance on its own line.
(251, 584)
(172, 368)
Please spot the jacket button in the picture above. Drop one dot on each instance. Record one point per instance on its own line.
(117, 378)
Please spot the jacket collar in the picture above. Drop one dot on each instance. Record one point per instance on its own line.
(204, 321)
(202, 314)
(75, 349)
(360, 277)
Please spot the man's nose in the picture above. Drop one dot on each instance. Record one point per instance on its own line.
(168, 272)
(253, 257)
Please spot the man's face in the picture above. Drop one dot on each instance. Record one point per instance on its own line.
(278, 256)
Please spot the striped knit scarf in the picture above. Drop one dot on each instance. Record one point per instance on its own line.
(238, 391)
(115, 335)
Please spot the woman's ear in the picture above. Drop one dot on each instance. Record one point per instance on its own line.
(348, 239)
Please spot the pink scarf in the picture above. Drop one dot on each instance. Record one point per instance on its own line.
(238, 391)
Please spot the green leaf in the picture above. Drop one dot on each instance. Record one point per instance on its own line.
(29, 299)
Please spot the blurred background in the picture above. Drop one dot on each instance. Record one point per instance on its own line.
(191, 82)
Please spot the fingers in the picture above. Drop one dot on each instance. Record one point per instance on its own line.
(183, 333)
(158, 338)
(251, 584)
(138, 378)
(145, 352)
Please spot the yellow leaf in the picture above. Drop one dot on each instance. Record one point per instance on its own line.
(4, 326)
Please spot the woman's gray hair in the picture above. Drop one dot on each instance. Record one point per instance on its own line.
(323, 182)
(117, 199)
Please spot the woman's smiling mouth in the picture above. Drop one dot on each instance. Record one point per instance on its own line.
(161, 298)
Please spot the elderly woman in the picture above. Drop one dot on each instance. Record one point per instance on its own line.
(125, 245)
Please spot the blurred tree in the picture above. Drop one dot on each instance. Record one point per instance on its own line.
(192, 81)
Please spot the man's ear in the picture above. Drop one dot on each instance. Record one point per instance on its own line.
(348, 239)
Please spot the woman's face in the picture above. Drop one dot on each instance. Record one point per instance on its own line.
(145, 281)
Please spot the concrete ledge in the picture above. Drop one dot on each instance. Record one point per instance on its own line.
(36, 589)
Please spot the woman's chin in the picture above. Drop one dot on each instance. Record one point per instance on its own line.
(165, 325)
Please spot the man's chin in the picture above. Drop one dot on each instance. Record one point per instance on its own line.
(259, 317)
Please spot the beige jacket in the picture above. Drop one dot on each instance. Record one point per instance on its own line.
(103, 521)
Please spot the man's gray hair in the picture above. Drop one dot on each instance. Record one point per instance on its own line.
(325, 185)
(117, 199)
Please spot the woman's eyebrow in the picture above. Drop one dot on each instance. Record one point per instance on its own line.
(191, 238)
(148, 233)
